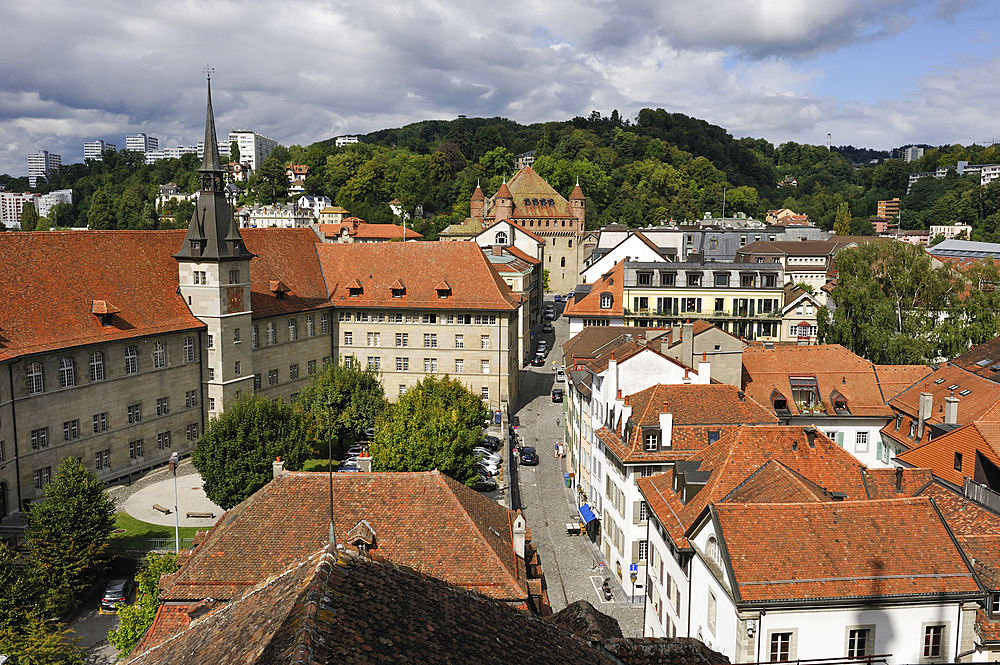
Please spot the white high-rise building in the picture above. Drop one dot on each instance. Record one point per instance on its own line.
(254, 148)
(94, 149)
(41, 164)
(11, 204)
(48, 201)
(141, 143)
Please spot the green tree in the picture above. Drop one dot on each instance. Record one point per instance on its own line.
(842, 224)
(101, 214)
(271, 181)
(15, 590)
(343, 401)
(68, 535)
(234, 152)
(136, 618)
(888, 303)
(29, 217)
(234, 456)
(40, 643)
(434, 425)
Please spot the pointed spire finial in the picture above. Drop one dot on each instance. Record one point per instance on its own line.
(578, 181)
(208, 72)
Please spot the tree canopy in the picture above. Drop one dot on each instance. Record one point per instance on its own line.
(136, 618)
(68, 534)
(343, 401)
(434, 425)
(235, 454)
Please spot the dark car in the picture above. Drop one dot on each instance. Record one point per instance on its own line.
(538, 360)
(485, 484)
(557, 395)
(557, 298)
(117, 591)
(491, 442)
(547, 328)
(529, 457)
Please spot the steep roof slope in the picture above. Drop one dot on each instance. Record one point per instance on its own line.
(52, 280)
(426, 521)
(420, 267)
(287, 256)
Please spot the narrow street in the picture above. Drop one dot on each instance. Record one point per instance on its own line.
(571, 563)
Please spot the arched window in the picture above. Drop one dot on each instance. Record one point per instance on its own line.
(562, 262)
(159, 355)
(97, 366)
(500, 238)
(35, 383)
(712, 550)
(67, 373)
(606, 300)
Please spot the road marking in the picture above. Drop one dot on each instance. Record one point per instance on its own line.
(598, 581)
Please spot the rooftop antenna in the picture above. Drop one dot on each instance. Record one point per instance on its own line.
(723, 203)
(829, 137)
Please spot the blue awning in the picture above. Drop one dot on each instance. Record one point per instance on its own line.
(587, 514)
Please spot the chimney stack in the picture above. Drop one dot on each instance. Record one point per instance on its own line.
(899, 478)
(687, 344)
(519, 534)
(924, 412)
(277, 467)
(810, 436)
(704, 369)
(497, 250)
(666, 426)
(951, 410)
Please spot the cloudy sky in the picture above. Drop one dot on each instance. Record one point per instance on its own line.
(874, 73)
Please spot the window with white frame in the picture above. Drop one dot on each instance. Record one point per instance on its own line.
(211, 374)
(402, 364)
(100, 422)
(606, 301)
(430, 365)
(293, 372)
(374, 362)
(293, 330)
(652, 441)
(484, 366)
(311, 367)
(97, 366)
(67, 373)
(486, 393)
(40, 438)
(192, 432)
(163, 440)
(348, 338)
(934, 640)
(134, 412)
(324, 324)
(643, 512)
(643, 550)
(459, 341)
(43, 477)
(210, 343)
(190, 398)
(861, 442)
(374, 339)
(430, 340)
(459, 365)
(71, 430)
(162, 406)
(131, 360)
(35, 383)
(310, 326)
(780, 646)
(102, 459)
(159, 355)
(484, 342)
(270, 333)
(189, 349)
(135, 449)
(272, 377)
(860, 641)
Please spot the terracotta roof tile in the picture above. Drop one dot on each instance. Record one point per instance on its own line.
(939, 454)
(420, 265)
(950, 380)
(53, 278)
(590, 305)
(836, 369)
(965, 517)
(894, 379)
(286, 257)
(776, 483)
(738, 455)
(423, 520)
(982, 359)
(358, 611)
(843, 549)
(881, 483)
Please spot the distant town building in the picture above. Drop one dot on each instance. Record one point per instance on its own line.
(912, 153)
(48, 201)
(524, 159)
(41, 164)
(94, 149)
(888, 209)
(951, 231)
(341, 141)
(254, 148)
(141, 143)
(10, 207)
(314, 204)
(989, 173)
(297, 174)
(282, 216)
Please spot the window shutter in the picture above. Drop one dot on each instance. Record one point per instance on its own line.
(840, 439)
(878, 449)
(635, 515)
(635, 551)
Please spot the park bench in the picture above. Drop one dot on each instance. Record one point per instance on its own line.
(201, 515)
(162, 509)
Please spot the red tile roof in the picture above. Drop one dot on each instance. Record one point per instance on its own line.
(738, 455)
(894, 379)
(52, 280)
(843, 550)
(776, 483)
(285, 258)
(938, 455)
(421, 266)
(984, 394)
(320, 609)
(882, 483)
(981, 359)
(612, 282)
(423, 520)
(766, 371)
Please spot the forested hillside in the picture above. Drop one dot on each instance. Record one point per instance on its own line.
(658, 167)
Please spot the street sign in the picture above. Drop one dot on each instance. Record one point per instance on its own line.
(600, 565)
(633, 568)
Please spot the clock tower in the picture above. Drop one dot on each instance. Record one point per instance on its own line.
(214, 272)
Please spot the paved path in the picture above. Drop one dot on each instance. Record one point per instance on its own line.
(157, 487)
(570, 563)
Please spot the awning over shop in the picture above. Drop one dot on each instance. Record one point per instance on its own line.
(587, 514)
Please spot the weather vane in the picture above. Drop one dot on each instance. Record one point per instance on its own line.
(209, 71)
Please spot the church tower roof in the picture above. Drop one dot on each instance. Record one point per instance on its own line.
(503, 192)
(577, 192)
(213, 234)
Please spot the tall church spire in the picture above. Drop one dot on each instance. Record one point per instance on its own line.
(213, 234)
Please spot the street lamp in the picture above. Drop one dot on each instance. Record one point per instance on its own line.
(329, 414)
(633, 575)
(177, 525)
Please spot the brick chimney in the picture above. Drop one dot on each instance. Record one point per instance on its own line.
(519, 529)
(497, 250)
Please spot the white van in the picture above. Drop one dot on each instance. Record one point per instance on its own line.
(561, 375)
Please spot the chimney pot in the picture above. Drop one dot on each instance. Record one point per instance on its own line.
(899, 479)
(277, 467)
(619, 393)
(810, 436)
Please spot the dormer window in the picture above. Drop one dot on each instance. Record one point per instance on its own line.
(279, 289)
(354, 289)
(443, 290)
(780, 403)
(105, 311)
(805, 391)
(398, 289)
(606, 300)
(913, 429)
(651, 441)
(899, 421)
(839, 404)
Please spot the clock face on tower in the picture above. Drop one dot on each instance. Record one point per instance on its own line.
(234, 294)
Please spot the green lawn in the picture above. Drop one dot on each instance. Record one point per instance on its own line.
(139, 530)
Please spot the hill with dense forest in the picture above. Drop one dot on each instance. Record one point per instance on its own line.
(658, 167)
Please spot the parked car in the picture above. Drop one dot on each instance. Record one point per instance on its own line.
(117, 591)
(529, 457)
(561, 375)
(491, 442)
(557, 298)
(542, 347)
(485, 484)
(557, 395)
(570, 295)
(354, 451)
(538, 360)
(547, 328)
(489, 469)
(550, 315)
(488, 455)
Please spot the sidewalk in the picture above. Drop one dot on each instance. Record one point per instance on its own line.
(157, 488)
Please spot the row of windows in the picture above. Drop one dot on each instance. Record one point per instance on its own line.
(722, 280)
(860, 642)
(271, 331)
(401, 317)
(531, 222)
(67, 365)
(403, 340)
(430, 365)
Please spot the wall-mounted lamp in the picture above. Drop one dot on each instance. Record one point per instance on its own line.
(751, 627)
